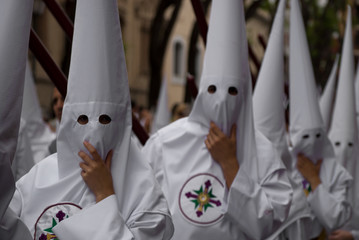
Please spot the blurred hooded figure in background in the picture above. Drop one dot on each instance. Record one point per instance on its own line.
(39, 132)
(324, 180)
(344, 131)
(35, 135)
(222, 179)
(326, 102)
(269, 119)
(98, 184)
(13, 52)
(162, 116)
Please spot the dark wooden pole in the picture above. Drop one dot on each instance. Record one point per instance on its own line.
(61, 17)
(201, 19)
(191, 83)
(42, 55)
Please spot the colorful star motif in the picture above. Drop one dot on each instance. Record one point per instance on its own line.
(203, 199)
(50, 234)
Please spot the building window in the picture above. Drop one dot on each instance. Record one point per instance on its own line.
(178, 70)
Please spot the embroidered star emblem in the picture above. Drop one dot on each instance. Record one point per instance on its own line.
(203, 199)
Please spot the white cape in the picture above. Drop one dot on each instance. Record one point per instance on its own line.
(251, 209)
(138, 211)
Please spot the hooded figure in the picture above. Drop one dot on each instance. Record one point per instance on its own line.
(13, 52)
(344, 131)
(53, 199)
(326, 101)
(328, 188)
(162, 116)
(38, 131)
(205, 201)
(269, 119)
(34, 134)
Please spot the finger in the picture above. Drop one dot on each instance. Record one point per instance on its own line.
(233, 132)
(212, 138)
(93, 151)
(209, 139)
(109, 159)
(86, 158)
(208, 144)
(216, 131)
(84, 167)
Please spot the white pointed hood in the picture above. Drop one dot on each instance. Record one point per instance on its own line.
(344, 131)
(357, 93)
(39, 133)
(326, 101)
(162, 115)
(268, 109)
(226, 66)
(307, 130)
(97, 86)
(15, 22)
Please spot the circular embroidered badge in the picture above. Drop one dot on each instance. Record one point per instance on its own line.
(50, 217)
(200, 199)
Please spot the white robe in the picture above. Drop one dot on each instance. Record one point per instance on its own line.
(328, 203)
(138, 212)
(183, 165)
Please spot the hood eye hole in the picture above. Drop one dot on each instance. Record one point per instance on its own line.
(104, 119)
(318, 135)
(212, 89)
(305, 136)
(337, 144)
(350, 144)
(83, 119)
(232, 91)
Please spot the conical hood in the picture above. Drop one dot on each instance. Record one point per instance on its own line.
(268, 95)
(268, 109)
(15, 22)
(357, 93)
(343, 130)
(225, 95)
(97, 105)
(162, 115)
(13, 53)
(307, 131)
(326, 101)
(39, 133)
